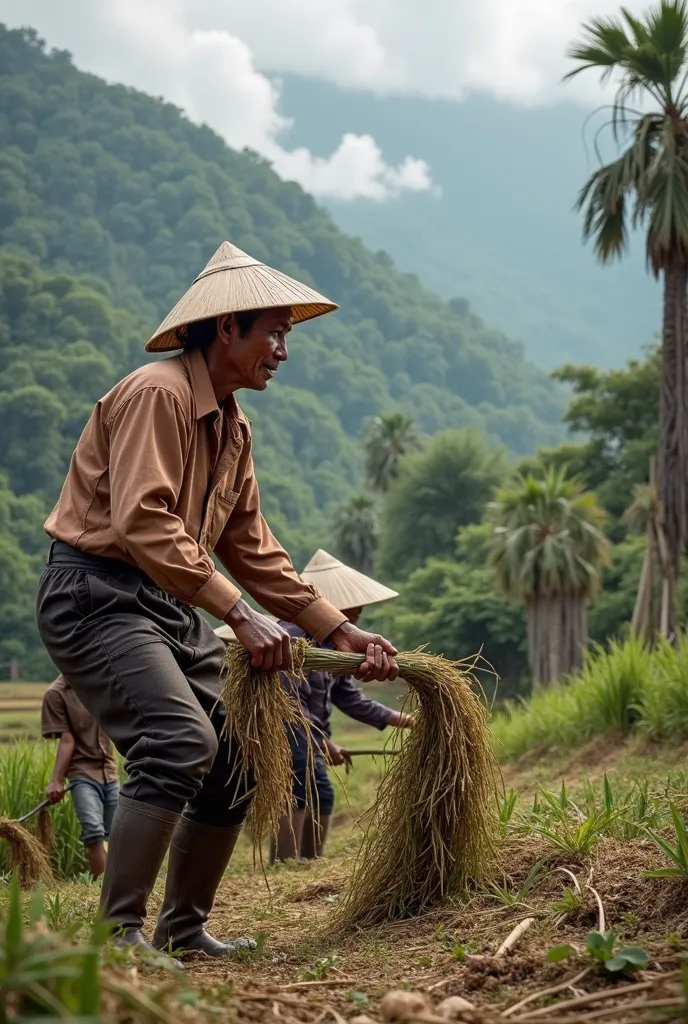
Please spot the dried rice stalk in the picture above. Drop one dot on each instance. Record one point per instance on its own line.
(26, 854)
(258, 710)
(431, 830)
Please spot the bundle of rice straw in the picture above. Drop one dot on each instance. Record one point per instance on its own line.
(259, 713)
(26, 854)
(431, 830)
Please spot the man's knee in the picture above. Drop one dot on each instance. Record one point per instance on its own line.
(196, 751)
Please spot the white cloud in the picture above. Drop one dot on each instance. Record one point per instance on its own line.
(212, 58)
(162, 47)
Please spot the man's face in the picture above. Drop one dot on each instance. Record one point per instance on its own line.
(252, 360)
(352, 614)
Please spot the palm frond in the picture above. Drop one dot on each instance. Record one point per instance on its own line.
(548, 537)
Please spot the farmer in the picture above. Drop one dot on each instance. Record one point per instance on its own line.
(161, 477)
(304, 834)
(84, 757)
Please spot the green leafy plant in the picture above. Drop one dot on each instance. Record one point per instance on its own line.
(506, 807)
(570, 902)
(321, 968)
(678, 852)
(556, 954)
(358, 998)
(575, 837)
(508, 898)
(601, 947)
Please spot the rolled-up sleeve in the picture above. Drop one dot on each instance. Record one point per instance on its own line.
(149, 435)
(257, 561)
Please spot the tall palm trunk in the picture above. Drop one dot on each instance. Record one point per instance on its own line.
(673, 424)
(557, 628)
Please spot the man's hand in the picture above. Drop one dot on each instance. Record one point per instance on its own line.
(379, 654)
(336, 755)
(402, 721)
(55, 791)
(267, 642)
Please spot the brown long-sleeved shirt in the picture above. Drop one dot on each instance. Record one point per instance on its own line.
(161, 477)
(62, 711)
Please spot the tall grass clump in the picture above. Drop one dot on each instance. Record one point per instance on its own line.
(25, 768)
(58, 974)
(664, 703)
(606, 696)
(610, 686)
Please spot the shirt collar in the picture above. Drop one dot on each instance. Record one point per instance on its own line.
(202, 388)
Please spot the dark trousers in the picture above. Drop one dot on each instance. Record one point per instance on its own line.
(321, 788)
(148, 669)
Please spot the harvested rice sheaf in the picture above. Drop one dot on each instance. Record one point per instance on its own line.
(259, 713)
(431, 831)
(26, 854)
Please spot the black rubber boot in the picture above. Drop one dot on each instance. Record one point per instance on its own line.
(315, 831)
(288, 842)
(139, 839)
(199, 855)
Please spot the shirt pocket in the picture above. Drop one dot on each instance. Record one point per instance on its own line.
(220, 509)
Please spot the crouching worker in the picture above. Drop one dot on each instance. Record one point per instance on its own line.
(304, 834)
(85, 758)
(161, 477)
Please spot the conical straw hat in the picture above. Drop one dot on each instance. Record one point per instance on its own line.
(343, 586)
(232, 282)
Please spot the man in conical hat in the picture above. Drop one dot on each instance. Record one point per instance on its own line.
(162, 478)
(304, 833)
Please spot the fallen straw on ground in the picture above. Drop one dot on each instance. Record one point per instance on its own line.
(431, 830)
(26, 854)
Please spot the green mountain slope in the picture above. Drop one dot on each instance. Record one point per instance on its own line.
(110, 204)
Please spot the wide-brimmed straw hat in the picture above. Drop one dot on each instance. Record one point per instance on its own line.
(233, 282)
(343, 586)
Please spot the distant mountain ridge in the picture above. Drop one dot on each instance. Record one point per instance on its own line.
(504, 233)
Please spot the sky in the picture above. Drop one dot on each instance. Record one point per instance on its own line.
(220, 61)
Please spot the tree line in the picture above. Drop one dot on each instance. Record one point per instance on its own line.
(524, 561)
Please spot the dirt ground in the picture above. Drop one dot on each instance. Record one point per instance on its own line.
(306, 971)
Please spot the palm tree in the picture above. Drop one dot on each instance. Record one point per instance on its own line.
(547, 553)
(648, 185)
(644, 514)
(355, 529)
(387, 439)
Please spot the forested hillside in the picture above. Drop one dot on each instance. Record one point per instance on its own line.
(110, 204)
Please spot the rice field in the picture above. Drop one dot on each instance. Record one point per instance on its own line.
(20, 710)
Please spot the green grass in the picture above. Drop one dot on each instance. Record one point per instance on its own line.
(25, 767)
(626, 688)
